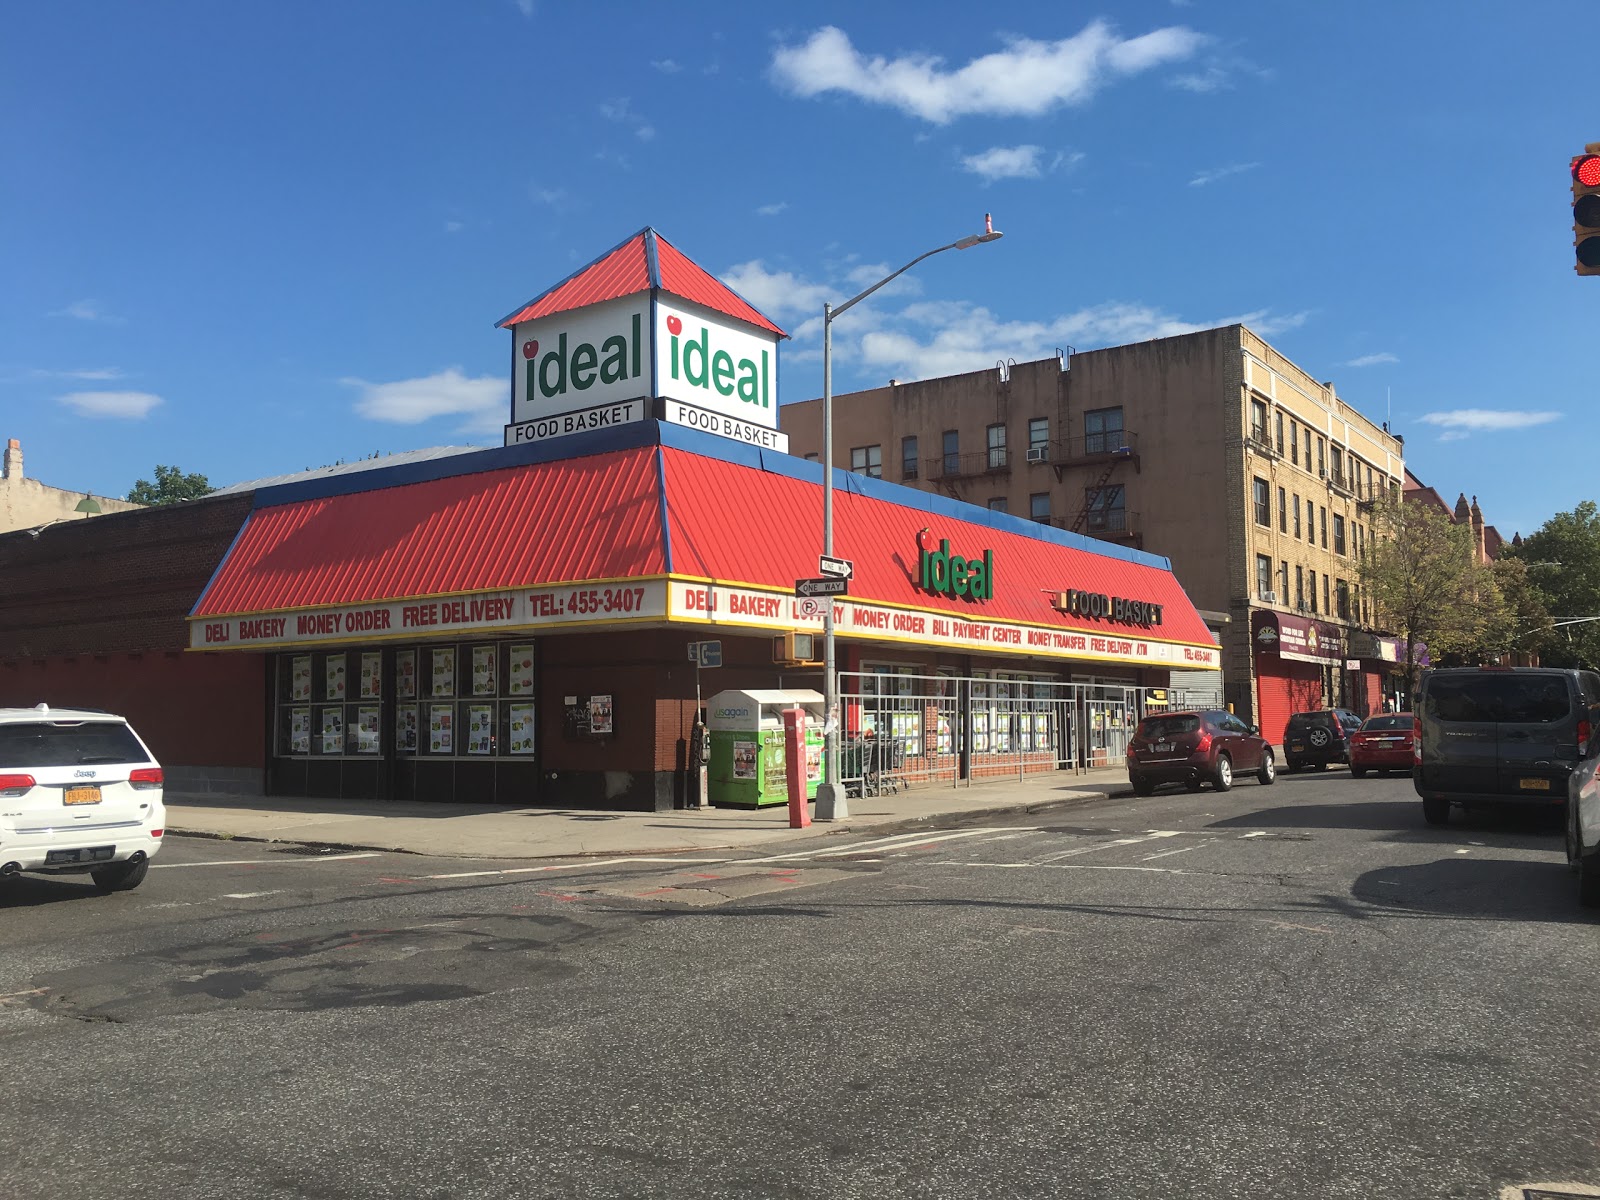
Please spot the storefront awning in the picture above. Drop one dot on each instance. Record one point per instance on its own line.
(659, 525)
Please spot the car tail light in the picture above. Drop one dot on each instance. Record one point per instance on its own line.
(1583, 738)
(157, 832)
(15, 785)
(145, 777)
(1416, 739)
(1203, 743)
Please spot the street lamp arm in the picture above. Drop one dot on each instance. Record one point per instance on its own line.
(854, 300)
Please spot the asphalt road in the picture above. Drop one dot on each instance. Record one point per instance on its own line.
(1294, 991)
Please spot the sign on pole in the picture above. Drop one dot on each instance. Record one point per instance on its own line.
(705, 654)
(821, 587)
(835, 568)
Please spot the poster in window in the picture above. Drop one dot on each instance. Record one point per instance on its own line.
(405, 729)
(775, 767)
(441, 731)
(480, 729)
(813, 762)
(405, 675)
(300, 677)
(335, 677)
(371, 685)
(332, 730)
(365, 732)
(744, 760)
(483, 671)
(300, 724)
(521, 681)
(980, 732)
(521, 727)
(599, 714)
(444, 672)
(945, 741)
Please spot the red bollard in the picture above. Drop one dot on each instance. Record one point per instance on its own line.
(794, 757)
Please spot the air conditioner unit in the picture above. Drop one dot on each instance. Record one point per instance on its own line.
(1322, 472)
(1269, 597)
(1036, 453)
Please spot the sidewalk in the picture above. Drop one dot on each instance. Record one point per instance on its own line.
(469, 831)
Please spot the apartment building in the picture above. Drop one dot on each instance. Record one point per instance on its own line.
(1211, 448)
(26, 503)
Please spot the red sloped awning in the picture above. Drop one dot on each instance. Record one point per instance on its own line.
(739, 525)
(586, 518)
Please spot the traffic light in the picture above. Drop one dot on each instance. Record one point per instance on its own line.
(1586, 210)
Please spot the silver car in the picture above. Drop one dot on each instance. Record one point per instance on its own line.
(1583, 823)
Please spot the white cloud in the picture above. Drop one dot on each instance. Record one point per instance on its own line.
(86, 310)
(1487, 420)
(621, 111)
(666, 66)
(96, 374)
(777, 293)
(525, 7)
(1027, 78)
(1212, 174)
(1005, 162)
(453, 226)
(133, 406)
(772, 210)
(1372, 360)
(1454, 435)
(645, 132)
(554, 197)
(484, 401)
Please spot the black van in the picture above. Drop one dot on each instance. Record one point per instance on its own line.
(1501, 735)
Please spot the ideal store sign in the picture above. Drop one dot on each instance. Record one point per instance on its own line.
(598, 366)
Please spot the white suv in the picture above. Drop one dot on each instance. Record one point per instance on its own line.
(79, 792)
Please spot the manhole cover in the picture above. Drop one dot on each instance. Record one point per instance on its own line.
(309, 851)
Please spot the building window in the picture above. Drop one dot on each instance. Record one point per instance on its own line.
(1323, 521)
(1283, 582)
(867, 460)
(1263, 503)
(1258, 422)
(1038, 439)
(1338, 534)
(1300, 588)
(1370, 492)
(1326, 606)
(1341, 594)
(1263, 577)
(1102, 431)
(1039, 507)
(1279, 441)
(1336, 456)
(1322, 446)
(1294, 442)
(952, 452)
(1106, 509)
(1297, 516)
(1311, 588)
(1283, 511)
(997, 447)
(1361, 542)
(998, 504)
(908, 458)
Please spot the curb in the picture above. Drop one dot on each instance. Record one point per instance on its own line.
(944, 820)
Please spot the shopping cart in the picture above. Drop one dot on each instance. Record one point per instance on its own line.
(872, 766)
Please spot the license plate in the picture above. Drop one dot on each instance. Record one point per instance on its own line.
(93, 854)
(1536, 785)
(1162, 747)
(1297, 746)
(81, 795)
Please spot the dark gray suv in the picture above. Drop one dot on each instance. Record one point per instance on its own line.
(1501, 735)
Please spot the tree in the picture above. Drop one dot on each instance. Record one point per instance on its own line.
(1563, 560)
(1421, 576)
(1515, 624)
(171, 486)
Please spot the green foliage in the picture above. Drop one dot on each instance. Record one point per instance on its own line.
(1420, 574)
(171, 486)
(1562, 559)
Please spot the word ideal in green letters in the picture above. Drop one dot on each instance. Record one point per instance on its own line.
(947, 574)
(582, 366)
(691, 360)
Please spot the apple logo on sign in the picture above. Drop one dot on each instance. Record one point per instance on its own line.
(530, 349)
(674, 326)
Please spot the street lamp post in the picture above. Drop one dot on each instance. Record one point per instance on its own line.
(831, 802)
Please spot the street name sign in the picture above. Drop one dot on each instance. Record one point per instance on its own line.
(836, 568)
(821, 587)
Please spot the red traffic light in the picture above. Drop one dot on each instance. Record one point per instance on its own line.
(1586, 170)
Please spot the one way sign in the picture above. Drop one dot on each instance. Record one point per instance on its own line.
(835, 568)
(821, 587)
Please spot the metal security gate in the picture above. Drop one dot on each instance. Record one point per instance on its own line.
(905, 729)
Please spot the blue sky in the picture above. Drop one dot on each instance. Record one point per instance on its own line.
(250, 239)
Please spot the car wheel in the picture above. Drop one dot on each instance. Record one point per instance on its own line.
(1436, 810)
(1589, 879)
(1359, 772)
(1142, 787)
(1223, 779)
(120, 877)
(1319, 738)
(1269, 768)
